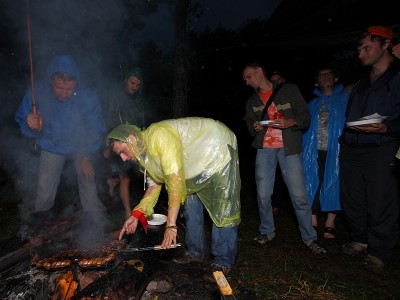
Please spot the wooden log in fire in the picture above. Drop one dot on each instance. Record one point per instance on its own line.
(20, 254)
(52, 230)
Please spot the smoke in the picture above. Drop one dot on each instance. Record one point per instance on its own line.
(104, 37)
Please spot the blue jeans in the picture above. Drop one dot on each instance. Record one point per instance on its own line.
(292, 173)
(50, 169)
(224, 240)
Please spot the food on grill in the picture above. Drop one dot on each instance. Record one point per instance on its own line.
(53, 263)
(97, 261)
(83, 258)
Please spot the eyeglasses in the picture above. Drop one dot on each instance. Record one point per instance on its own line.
(325, 74)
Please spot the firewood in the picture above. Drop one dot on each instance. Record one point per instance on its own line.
(66, 287)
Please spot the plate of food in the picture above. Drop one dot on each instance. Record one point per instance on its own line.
(371, 119)
(157, 219)
(267, 122)
(364, 122)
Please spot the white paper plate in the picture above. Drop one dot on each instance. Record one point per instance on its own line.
(267, 122)
(157, 219)
(364, 122)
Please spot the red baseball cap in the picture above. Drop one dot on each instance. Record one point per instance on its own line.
(382, 31)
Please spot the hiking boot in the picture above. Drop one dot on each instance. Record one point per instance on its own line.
(186, 258)
(262, 239)
(374, 264)
(209, 277)
(316, 248)
(354, 248)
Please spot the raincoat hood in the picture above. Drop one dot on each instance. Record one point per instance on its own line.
(137, 147)
(138, 73)
(337, 90)
(63, 64)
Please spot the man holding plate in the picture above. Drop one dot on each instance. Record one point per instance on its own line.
(368, 168)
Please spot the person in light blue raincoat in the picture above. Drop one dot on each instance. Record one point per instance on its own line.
(321, 148)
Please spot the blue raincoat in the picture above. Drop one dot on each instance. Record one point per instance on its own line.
(336, 103)
(74, 128)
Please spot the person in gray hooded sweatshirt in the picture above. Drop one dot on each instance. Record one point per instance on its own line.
(67, 125)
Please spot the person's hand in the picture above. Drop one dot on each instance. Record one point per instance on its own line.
(107, 153)
(379, 128)
(34, 122)
(129, 227)
(170, 237)
(257, 127)
(282, 123)
(86, 168)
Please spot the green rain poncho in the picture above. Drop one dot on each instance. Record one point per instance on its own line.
(189, 155)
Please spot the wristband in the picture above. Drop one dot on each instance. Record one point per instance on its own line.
(171, 227)
(140, 216)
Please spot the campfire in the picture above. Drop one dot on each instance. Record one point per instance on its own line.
(50, 266)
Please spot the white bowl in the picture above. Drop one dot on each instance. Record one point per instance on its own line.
(157, 219)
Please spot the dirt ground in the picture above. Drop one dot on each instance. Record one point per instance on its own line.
(283, 269)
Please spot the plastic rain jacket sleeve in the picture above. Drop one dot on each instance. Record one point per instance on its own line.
(330, 192)
(189, 155)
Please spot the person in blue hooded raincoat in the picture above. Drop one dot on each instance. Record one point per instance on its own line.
(321, 148)
(67, 125)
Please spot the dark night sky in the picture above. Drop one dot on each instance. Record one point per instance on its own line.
(233, 13)
(225, 13)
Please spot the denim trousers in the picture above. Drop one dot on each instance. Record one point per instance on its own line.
(224, 240)
(50, 169)
(292, 173)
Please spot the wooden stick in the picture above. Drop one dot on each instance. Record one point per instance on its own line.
(28, 21)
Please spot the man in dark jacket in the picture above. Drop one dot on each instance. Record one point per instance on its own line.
(125, 106)
(369, 182)
(275, 116)
(67, 125)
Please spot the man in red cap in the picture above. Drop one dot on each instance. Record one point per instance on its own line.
(368, 167)
(381, 31)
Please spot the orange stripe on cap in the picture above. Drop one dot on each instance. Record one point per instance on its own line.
(382, 31)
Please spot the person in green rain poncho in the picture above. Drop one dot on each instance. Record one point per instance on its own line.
(197, 160)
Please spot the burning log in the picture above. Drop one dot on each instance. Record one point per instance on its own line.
(66, 287)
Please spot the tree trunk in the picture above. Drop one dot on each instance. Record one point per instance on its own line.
(179, 105)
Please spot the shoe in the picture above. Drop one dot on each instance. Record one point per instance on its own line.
(374, 264)
(354, 248)
(262, 239)
(186, 258)
(316, 248)
(209, 277)
(329, 233)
